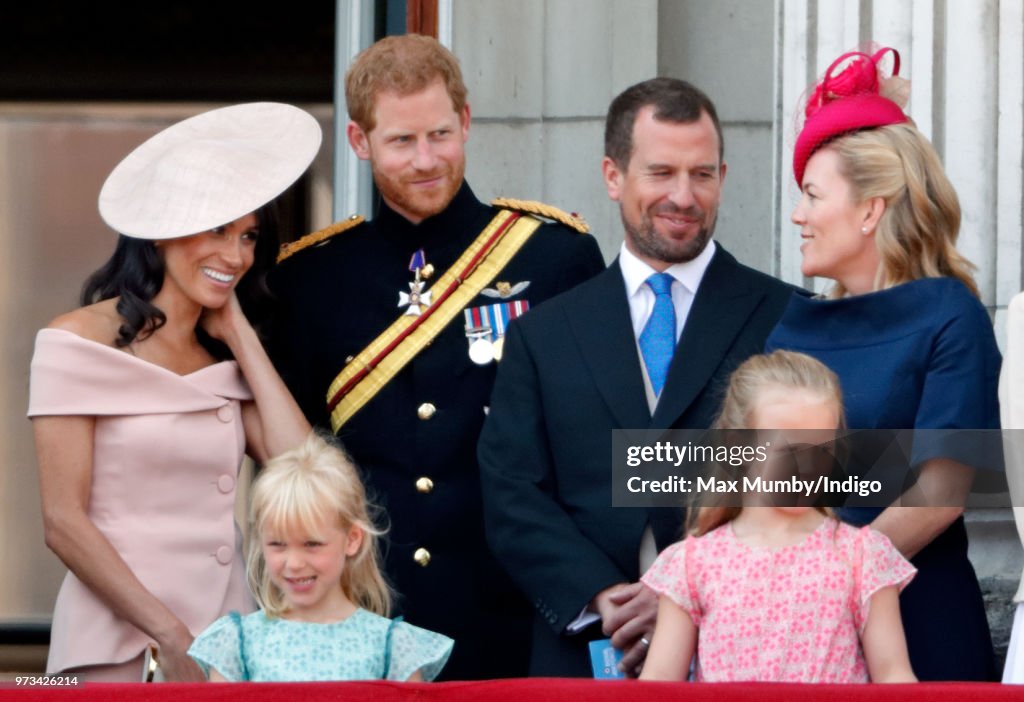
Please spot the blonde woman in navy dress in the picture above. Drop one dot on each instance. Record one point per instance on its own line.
(903, 328)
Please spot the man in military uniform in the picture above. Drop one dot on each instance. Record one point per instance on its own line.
(389, 332)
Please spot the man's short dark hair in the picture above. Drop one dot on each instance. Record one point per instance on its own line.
(674, 100)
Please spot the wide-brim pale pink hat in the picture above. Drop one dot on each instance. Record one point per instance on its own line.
(208, 170)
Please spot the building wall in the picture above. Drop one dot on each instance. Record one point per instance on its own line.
(541, 74)
(725, 49)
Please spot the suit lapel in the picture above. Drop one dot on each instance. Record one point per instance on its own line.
(723, 303)
(604, 330)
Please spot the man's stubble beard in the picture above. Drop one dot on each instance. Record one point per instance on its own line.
(647, 242)
(400, 196)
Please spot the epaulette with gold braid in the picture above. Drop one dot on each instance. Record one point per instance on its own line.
(547, 211)
(318, 236)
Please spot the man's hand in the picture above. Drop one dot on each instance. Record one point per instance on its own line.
(628, 612)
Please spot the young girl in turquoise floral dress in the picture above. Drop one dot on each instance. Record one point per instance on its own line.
(770, 593)
(313, 568)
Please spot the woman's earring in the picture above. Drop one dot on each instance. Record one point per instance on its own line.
(864, 231)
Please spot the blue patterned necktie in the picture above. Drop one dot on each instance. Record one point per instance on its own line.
(658, 338)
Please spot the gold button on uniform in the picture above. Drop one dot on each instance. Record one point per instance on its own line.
(427, 271)
(426, 411)
(424, 485)
(422, 556)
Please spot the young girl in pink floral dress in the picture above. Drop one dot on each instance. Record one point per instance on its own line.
(781, 594)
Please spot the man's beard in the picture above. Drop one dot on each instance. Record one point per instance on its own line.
(648, 243)
(420, 205)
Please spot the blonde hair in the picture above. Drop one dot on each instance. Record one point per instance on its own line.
(404, 65)
(786, 369)
(311, 485)
(916, 235)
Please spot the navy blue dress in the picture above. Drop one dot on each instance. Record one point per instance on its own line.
(921, 355)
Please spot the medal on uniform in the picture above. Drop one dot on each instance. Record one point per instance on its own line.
(498, 347)
(478, 334)
(416, 300)
(481, 351)
(485, 329)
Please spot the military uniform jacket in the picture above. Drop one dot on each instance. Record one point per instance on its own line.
(415, 441)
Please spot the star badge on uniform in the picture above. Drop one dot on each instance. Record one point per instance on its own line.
(416, 299)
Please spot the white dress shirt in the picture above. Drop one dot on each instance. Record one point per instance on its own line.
(687, 277)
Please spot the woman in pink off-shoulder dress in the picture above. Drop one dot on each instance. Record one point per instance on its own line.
(144, 400)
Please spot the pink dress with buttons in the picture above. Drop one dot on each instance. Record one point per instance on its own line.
(167, 450)
(793, 614)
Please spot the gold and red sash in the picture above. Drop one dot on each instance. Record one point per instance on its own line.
(369, 371)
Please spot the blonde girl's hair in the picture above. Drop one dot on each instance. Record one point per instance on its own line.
(786, 369)
(916, 235)
(296, 492)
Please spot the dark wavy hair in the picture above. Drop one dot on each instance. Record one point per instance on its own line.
(135, 273)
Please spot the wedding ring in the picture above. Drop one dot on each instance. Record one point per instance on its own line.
(644, 641)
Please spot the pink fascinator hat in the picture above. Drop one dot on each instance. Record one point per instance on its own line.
(849, 98)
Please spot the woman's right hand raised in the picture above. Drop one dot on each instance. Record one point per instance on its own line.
(226, 323)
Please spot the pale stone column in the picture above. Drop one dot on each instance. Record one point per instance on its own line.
(541, 74)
